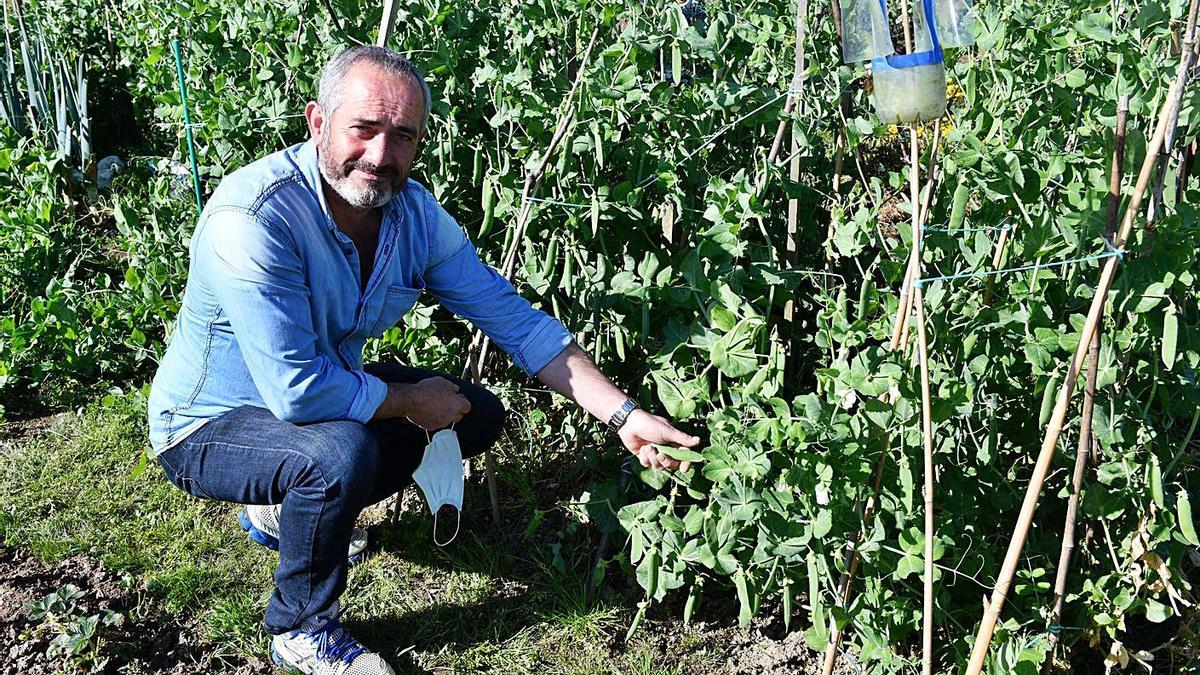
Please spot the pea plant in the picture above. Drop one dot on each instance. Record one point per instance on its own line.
(660, 235)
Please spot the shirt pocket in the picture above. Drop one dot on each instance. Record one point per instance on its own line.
(396, 302)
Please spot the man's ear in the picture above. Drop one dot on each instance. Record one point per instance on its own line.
(316, 120)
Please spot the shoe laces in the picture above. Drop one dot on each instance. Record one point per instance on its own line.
(334, 643)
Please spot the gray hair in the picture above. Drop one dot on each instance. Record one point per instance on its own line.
(329, 92)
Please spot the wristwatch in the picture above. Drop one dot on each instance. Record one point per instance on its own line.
(621, 414)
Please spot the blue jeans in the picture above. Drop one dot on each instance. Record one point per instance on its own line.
(324, 474)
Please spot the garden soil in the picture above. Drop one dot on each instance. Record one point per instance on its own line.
(153, 642)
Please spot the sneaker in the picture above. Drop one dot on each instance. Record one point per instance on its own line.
(322, 647)
(262, 524)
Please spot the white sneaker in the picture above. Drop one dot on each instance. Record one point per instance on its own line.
(262, 524)
(322, 647)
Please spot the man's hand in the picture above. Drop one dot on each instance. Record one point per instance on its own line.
(642, 430)
(432, 403)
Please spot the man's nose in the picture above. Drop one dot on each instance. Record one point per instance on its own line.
(377, 150)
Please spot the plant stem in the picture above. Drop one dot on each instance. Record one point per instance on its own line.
(1004, 581)
(1089, 401)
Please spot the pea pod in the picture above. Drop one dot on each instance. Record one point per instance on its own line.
(489, 209)
(1186, 525)
(477, 168)
(1048, 399)
(959, 207)
(692, 600)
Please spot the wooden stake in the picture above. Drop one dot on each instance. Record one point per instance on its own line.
(386, 23)
(1004, 581)
(927, 436)
(532, 181)
(900, 328)
(1089, 400)
(793, 96)
(1186, 53)
(847, 579)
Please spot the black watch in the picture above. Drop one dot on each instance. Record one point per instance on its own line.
(617, 420)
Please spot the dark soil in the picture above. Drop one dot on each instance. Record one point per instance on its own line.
(144, 640)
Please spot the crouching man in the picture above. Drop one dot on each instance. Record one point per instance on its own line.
(262, 397)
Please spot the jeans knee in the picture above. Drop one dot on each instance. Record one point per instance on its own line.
(346, 460)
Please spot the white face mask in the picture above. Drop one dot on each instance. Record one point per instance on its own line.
(440, 477)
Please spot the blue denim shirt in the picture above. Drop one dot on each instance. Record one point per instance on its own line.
(273, 315)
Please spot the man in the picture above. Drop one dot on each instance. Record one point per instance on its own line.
(262, 397)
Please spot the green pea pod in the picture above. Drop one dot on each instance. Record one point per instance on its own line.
(692, 599)
(1170, 336)
(787, 603)
(477, 169)
(959, 207)
(1156, 484)
(637, 619)
(489, 209)
(743, 594)
(568, 279)
(1049, 396)
(1186, 525)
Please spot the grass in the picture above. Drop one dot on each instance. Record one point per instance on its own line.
(509, 599)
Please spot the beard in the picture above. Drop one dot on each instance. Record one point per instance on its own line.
(374, 194)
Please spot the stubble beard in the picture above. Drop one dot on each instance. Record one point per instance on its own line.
(371, 196)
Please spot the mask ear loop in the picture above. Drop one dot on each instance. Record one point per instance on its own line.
(457, 525)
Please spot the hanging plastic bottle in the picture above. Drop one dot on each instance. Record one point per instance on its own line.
(912, 87)
(909, 87)
(955, 20)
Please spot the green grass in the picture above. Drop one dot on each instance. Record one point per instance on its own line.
(507, 600)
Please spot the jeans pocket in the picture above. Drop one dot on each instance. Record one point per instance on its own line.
(396, 302)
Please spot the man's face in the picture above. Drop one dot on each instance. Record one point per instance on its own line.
(366, 147)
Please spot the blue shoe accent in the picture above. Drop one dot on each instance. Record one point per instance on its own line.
(272, 543)
(257, 534)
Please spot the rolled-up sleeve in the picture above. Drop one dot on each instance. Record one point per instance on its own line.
(256, 274)
(473, 290)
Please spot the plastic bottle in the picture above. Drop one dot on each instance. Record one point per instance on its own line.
(955, 20)
(909, 94)
(865, 33)
(912, 87)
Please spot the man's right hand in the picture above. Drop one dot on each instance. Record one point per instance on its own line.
(432, 403)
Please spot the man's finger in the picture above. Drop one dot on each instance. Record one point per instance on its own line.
(679, 438)
(684, 466)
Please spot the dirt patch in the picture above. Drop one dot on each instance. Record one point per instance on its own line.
(141, 638)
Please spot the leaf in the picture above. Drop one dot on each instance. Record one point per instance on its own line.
(1095, 26)
(1156, 612)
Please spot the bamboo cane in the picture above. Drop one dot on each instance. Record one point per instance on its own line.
(927, 426)
(386, 23)
(852, 557)
(793, 96)
(1004, 581)
(1185, 65)
(900, 328)
(1089, 400)
(475, 366)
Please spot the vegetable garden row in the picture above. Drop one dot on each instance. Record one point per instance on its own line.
(879, 326)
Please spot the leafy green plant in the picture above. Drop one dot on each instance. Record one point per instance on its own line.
(77, 634)
(661, 240)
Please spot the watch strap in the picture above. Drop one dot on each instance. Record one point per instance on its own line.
(617, 419)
